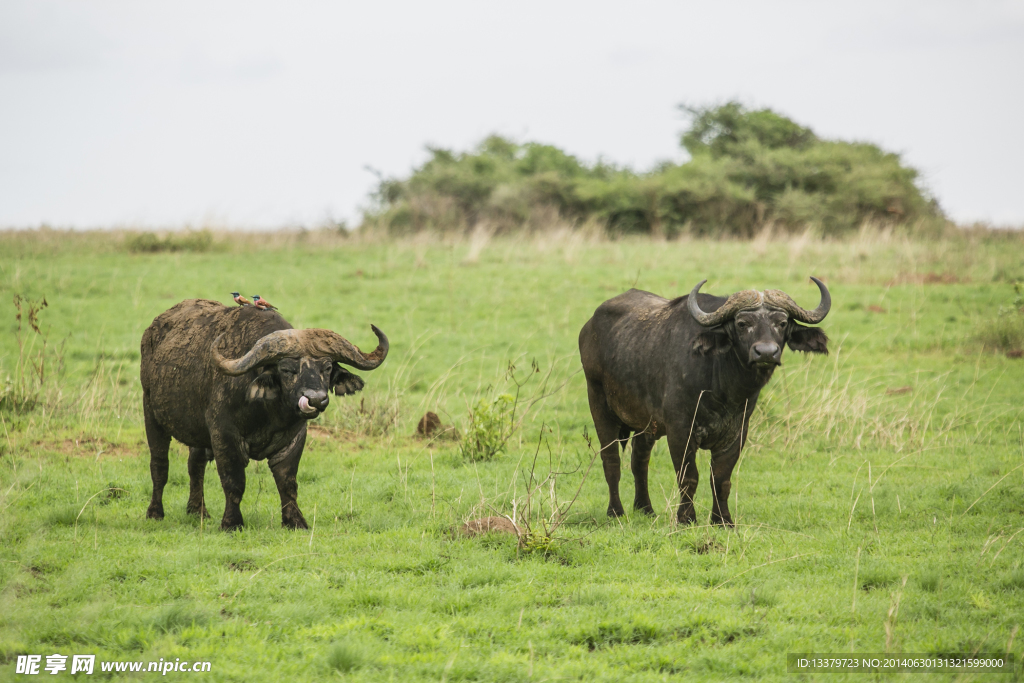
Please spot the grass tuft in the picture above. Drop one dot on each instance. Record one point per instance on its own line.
(344, 657)
(1014, 580)
(63, 516)
(610, 633)
(930, 580)
(762, 595)
(875, 578)
(486, 576)
(175, 617)
(371, 416)
(1004, 334)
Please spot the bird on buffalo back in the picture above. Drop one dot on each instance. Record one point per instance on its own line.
(240, 300)
(262, 303)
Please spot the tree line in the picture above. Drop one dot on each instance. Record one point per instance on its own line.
(747, 169)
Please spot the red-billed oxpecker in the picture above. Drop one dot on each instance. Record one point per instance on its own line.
(262, 303)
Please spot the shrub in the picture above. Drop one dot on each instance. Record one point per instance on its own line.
(22, 391)
(746, 168)
(491, 423)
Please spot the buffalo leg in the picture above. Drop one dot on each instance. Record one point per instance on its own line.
(684, 460)
(722, 463)
(285, 466)
(643, 442)
(159, 443)
(231, 468)
(198, 458)
(610, 432)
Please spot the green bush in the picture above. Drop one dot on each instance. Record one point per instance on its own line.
(747, 168)
(491, 423)
(34, 367)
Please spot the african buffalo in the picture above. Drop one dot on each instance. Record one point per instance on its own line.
(252, 405)
(690, 369)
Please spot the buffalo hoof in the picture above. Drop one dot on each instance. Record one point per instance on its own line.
(645, 508)
(198, 510)
(720, 521)
(686, 517)
(616, 510)
(294, 521)
(155, 512)
(231, 524)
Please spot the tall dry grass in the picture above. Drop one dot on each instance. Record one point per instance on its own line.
(850, 411)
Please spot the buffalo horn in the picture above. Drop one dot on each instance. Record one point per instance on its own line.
(736, 302)
(778, 299)
(294, 343)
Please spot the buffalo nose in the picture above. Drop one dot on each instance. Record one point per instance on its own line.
(766, 353)
(318, 399)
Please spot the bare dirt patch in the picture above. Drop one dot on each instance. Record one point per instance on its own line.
(485, 525)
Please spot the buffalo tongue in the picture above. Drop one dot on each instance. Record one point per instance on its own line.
(304, 405)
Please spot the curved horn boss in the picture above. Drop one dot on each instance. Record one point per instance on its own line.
(735, 303)
(320, 343)
(752, 299)
(781, 300)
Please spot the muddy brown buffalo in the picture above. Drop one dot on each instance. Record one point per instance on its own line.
(236, 384)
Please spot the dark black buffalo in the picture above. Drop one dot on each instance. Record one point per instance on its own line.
(254, 407)
(690, 369)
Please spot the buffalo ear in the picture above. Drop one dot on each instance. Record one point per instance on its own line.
(809, 339)
(711, 342)
(344, 382)
(264, 387)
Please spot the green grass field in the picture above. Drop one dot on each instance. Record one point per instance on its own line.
(879, 503)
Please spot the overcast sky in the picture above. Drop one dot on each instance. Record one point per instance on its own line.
(259, 115)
